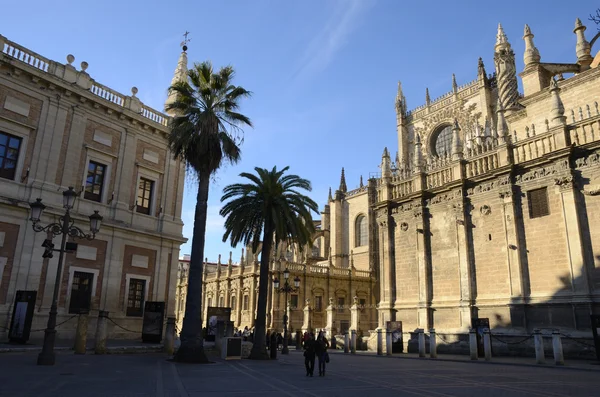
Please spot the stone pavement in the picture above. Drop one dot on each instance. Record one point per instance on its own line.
(347, 375)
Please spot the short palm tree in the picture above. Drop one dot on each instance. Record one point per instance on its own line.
(270, 208)
(205, 132)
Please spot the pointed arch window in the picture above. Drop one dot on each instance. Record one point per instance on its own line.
(361, 232)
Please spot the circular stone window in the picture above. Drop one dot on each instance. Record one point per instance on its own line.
(441, 144)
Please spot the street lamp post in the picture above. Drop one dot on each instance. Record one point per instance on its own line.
(286, 289)
(66, 227)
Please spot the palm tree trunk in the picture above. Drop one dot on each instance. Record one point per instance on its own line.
(192, 344)
(259, 350)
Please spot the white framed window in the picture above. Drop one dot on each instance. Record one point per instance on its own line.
(15, 156)
(79, 283)
(146, 191)
(132, 294)
(96, 175)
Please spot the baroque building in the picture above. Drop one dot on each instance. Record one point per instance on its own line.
(61, 128)
(490, 207)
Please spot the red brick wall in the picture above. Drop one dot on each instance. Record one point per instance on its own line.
(128, 268)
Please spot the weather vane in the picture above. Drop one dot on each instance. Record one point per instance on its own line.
(185, 40)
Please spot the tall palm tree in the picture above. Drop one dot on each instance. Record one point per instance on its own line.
(205, 132)
(269, 207)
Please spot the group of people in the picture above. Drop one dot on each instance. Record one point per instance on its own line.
(246, 334)
(315, 349)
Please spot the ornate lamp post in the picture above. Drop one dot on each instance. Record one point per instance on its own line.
(66, 227)
(286, 289)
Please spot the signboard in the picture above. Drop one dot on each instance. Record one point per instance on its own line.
(20, 324)
(152, 328)
(596, 332)
(479, 324)
(396, 329)
(214, 315)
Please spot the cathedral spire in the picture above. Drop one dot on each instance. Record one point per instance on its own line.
(506, 72)
(583, 47)
(454, 85)
(427, 98)
(386, 164)
(330, 197)
(531, 56)
(361, 182)
(343, 188)
(180, 74)
(457, 149)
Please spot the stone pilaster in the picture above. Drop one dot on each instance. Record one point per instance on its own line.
(424, 268)
(72, 173)
(124, 191)
(465, 268)
(386, 268)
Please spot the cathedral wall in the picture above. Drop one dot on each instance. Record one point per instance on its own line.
(546, 240)
(591, 210)
(444, 253)
(489, 245)
(358, 206)
(407, 268)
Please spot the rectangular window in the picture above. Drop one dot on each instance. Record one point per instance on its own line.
(318, 303)
(538, 203)
(361, 304)
(232, 305)
(245, 305)
(221, 301)
(94, 183)
(9, 155)
(144, 198)
(81, 292)
(341, 302)
(209, 302)
(135, 297)
(294, 302)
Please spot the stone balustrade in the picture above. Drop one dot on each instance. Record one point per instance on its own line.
(481, 164)
(586, 127)
(402, 188)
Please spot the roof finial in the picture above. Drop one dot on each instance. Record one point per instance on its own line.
(330, 197)
(343, 188)
(427, 98)
(558, 109)
(531, 55)
(582, 48)
(185, 41)
(454, 85)
(361, 182)
(457, 148)
(180, 74)
(501, 39)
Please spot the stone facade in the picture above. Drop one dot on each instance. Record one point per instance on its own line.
(489, 208)
(63, 126)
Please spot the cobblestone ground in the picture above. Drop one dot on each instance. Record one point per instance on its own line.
(152, 375)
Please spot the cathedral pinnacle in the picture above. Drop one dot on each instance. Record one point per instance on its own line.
(558, 109)
(582, 48)
(418, 157)
(180, 74)
(427, 98)
(531, 55)
(501, 126)
(343, 188)
(386, 164)
(457, 150)
(361, 182)
(454, 85)
(501, 39)
(330, 197)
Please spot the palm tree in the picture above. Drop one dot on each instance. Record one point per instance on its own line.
(269, 207)
(205, 132)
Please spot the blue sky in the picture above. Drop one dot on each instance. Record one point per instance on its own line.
(323, 72)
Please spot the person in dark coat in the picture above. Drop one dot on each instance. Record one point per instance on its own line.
(309, 355)
(321, 346)
(273, 348)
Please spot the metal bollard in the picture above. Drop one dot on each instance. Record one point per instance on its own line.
(81, 333)
(538, 343)
(473, 343)
(346, 343)
(432, 344)
(559, 359)
(170, 336)
(100, 347)
(487, 344)
(388, 343)
(421, 343)
(379, 342)
(353, 342)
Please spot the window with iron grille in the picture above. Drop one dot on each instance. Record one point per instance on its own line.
(9, 155)
(232, 305)
(221, 301)
(341, 302)
(81, 292)
(293, 301)
(144, 199)
(318, 303)
(245, 303)
(94, 183)
(538, 203)
(135, 298)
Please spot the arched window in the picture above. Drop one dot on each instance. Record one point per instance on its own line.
(361, 231)
(442, 141)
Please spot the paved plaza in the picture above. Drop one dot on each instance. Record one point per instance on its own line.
(152, 375)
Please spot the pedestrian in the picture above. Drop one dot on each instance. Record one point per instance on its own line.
(279, 340)
(309, 355)
(321, 346)
(273, 346)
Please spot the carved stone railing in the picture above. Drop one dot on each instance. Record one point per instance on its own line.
(402, 188)
(534, 147)
(24, 55)
(108, 94)
(153, 115)
(586, 128)
(318, 269)
(362, 273)
(336, 271)
(439, 178)
(463, 91)
(481, 164)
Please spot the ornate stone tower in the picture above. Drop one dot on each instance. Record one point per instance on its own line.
(401, 127)
(179, 75)
(506, 72)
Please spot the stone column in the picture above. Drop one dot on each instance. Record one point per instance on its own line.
(538, 343)
(307, 323)
(123, 195)
(81, 333)
(170, 335)
(423, 310)
(464, 264)
(386, 282)
(100, 347)
(355, 315)
(47, 146)
(330, 317)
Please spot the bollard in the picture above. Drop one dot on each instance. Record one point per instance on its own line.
(81, 333)
(170, 336)
(100, 347)
(421, 343)
(346, 343)
(538, 343)
(432, 344)
(473, 343)
(487, 344)
(298, 340)
(353, 342)
(379, 342)
(557, 348)
(388, 343)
